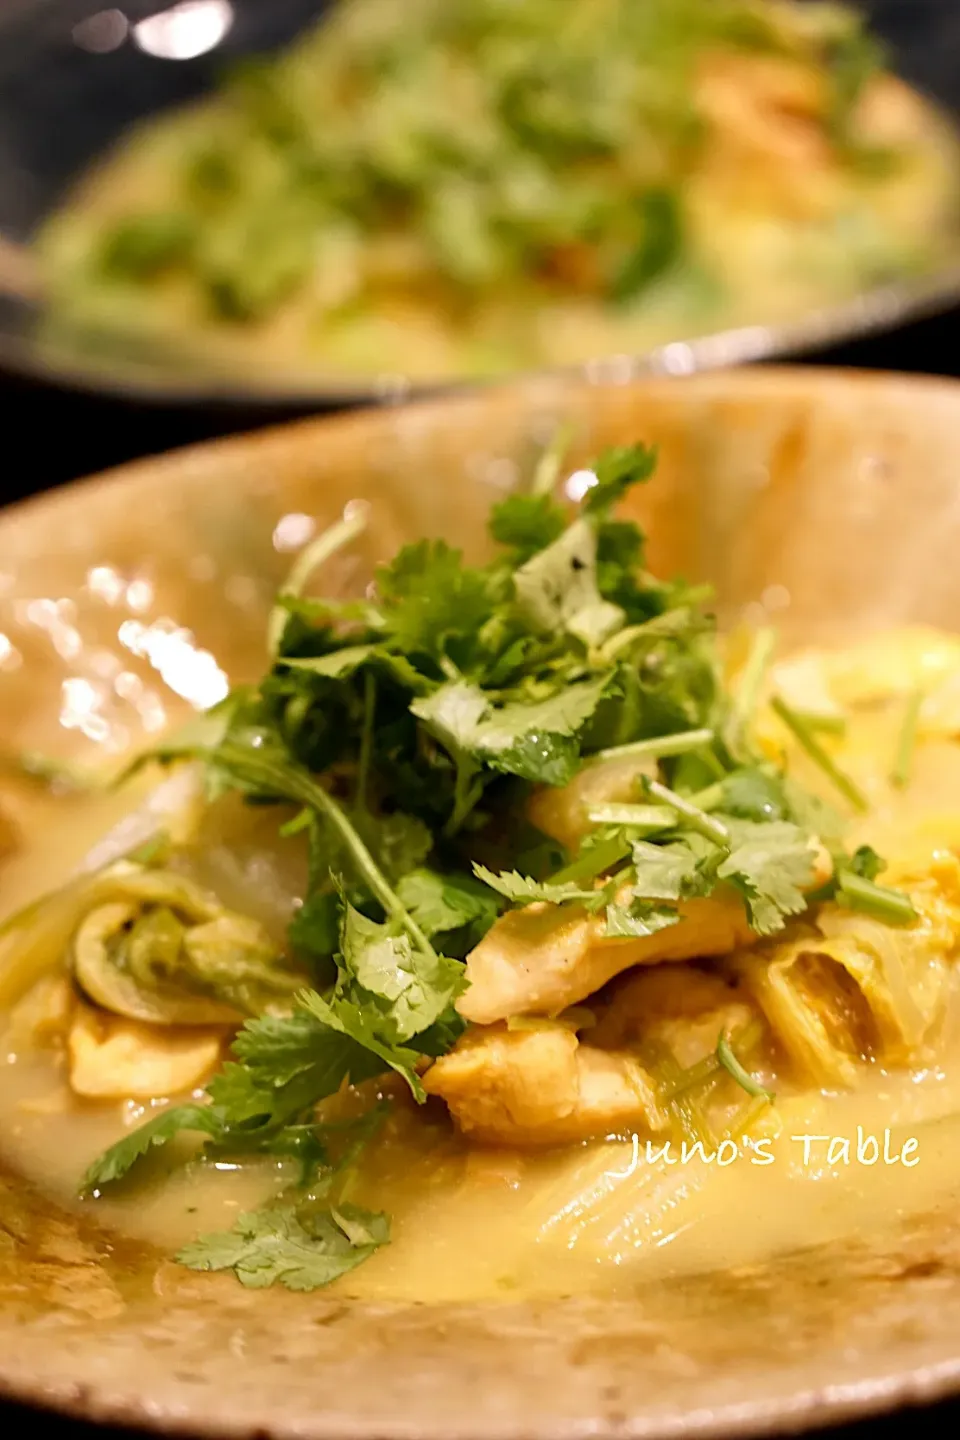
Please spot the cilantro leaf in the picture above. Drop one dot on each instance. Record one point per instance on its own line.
(544, 759)
(522, 890)
(531, 740)
(667, 872)
(752, 794)
(397, 842)
(770, 864)
(527, 523)
(428, 595)
(335, 664)
(114, 1163)
(384, 974)
(617, 470)
(811, 813)
(363, 1033)
(288, 1064)
(453, 713)
(557, 589)
(298, 1248)
(314, 931)
(285, 1066)
(638, 918)
(444, 903)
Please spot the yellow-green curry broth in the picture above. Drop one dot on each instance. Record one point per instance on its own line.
(480, 1220)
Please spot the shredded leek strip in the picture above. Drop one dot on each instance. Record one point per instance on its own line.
(762, 646)
(907, 741)
(819, 720)
(740, 1125)
(593, 861)
(668, 1076)
(745, 1039)
(649, 818)
(808, 741)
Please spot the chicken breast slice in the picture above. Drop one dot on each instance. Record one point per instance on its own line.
(543, 958)
(682, 1009)
(542, 1087)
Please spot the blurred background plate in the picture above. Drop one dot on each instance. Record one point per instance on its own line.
(75, 74)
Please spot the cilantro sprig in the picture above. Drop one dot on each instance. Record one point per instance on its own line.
(400, 737)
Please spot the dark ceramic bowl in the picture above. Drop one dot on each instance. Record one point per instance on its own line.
(74, 74)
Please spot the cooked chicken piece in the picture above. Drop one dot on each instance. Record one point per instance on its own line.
(561, 811)
(114, 1058)
(543, 958)
(541, 1087)
(684, 1009)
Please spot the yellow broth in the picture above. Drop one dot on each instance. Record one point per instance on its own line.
(469, 1221)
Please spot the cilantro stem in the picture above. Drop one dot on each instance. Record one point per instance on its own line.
(657, 747)
(743, 1077)
(907, 741)
(808, 742)
(594, 861)
(466, 792)
(670, 623)
(334, 538)
(762, 646)
(695, 818)
(649, 818)
(366, 736)
(706, 1070)
(709, 798)
(893, 907)
(547, 471)
(292, 782)
(820, 720)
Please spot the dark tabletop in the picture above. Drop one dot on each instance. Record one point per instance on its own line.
(55, 436)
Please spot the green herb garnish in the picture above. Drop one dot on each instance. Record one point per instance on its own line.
(892, 907)
(743, 1077)
(403, 735)
(907, 741)
(806, 738)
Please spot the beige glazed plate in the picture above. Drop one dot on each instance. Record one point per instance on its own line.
(829, 500)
